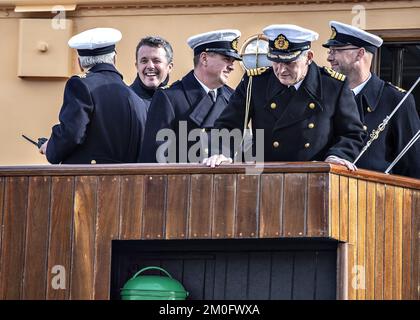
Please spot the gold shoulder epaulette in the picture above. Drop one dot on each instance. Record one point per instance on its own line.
(81, 75)
(256, 71)
(335, 74)
(396, 87)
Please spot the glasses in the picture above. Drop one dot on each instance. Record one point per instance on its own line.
(334, 51)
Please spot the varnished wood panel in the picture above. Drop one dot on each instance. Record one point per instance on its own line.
(397, 246)
(13, 247)
(389, 240)
(344, 209)
(1, 217)
(354, 268)
(224, 206)
(406, 243)
(295, 199)
(379, 241)
(154, 207)
(361, 238)
(35, 271)
(370, 240)
(177, 206)
(201, 197)
(107, 224)
(271, 205)
(415, 288)
(317, 221)
(60, 232)
(131, 203)
(85, 211)
(334, 214)
(247, 206)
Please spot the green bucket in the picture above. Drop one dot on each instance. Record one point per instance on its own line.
(152, 287)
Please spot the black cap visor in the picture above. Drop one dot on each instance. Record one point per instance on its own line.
(229, 53)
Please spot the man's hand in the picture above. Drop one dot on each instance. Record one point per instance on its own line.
(216, 160)
(340, 161)
(43, 148)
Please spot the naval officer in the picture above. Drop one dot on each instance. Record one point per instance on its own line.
(351, 51)
(192, 103)
(307, 112)
(101, 119)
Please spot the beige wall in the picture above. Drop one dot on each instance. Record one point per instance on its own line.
(31, 106)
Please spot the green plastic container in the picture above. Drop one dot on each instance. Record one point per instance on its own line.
(152, 287)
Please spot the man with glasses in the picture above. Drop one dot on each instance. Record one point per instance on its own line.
(194, 102)
(307, 112)
(351, 51)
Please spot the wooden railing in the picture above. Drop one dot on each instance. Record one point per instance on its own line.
(68, 215)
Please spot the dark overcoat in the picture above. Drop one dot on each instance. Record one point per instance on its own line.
(182, 107)
(101, 120)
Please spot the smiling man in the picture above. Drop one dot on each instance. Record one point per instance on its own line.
(195, 101)
(154, 63)
(306, 112)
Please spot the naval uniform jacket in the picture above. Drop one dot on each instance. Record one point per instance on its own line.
(101, 120)
(187, 101)
(376, 101)
(320, 119)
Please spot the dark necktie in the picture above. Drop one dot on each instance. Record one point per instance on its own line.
(212, 96)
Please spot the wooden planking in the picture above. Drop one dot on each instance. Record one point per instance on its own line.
(246, 222)
(361, 237)
(354, 269)
(1, 219)
(344, 209)
(13, 248)
(154, 207)
(85, 210)
(370, 240)
(295, 199)
(224, 206)
(389, 239)
(131, 203)
(334, 206)
(397, 246)
(379, 241)
(342, 271)
(271, 205)
(107, 225)
(406, 243)
(201, 197)
(415, 288)
(60, 233)
(317, 205)
(35, 269)
(177, 206)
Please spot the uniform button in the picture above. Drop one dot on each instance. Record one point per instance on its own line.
(276, 144)
(365, 128)
(369, 109)
(273, 105)
(93, 162)
(311, 125)
(307, 145)
(311, 105)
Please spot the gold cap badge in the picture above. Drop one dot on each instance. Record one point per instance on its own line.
(281, 42)
(333, 33)
(234, 44)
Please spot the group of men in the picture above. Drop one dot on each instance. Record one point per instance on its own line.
(297, 110)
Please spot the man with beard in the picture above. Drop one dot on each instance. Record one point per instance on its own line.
(194, 102)
(154, 63)
(351, 52)
(306, 112)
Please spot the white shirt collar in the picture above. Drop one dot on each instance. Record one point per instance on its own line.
(207, 89)
(297, 84)
(356, 90)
